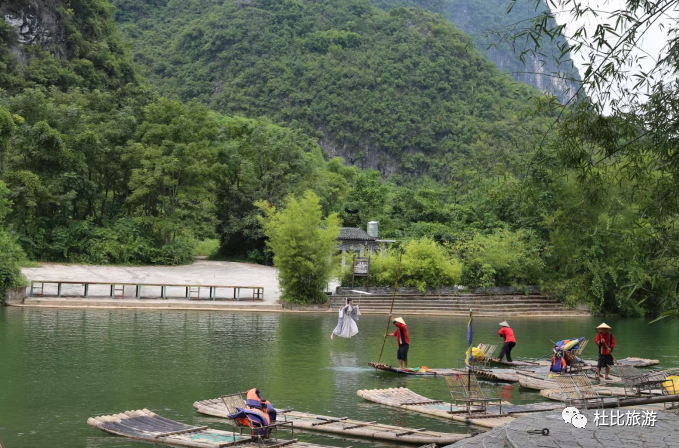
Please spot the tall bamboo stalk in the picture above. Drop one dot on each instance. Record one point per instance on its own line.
(393, 298)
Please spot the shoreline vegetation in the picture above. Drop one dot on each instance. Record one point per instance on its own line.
(148, 156)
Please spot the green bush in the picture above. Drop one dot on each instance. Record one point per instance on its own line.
(122, 242)
(11, 254)
(500, 259)
(425, 264)
(11, 257)
(206, 248)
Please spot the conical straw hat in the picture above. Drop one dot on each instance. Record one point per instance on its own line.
(504, 323)
(400, 320)
(603, 326)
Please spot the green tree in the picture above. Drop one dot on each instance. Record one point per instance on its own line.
(262, 161)
(618, 128)
(7, 128)
(11, 254)
(500, 258)
(173, 187)
(303, 244)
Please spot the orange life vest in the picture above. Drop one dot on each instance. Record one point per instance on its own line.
(254, 399)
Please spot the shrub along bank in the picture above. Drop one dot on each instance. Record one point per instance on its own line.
(498, 259)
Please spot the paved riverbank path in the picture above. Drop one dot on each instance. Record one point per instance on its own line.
(664, 432)
(202, 272)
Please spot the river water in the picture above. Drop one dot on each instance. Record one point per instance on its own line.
(59, 367)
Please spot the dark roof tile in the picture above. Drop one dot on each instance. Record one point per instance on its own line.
(354, 233)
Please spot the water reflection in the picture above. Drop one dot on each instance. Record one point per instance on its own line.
(59, 367)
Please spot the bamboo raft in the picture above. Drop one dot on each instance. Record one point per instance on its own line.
(404, 398)
(507, 375)
(429, 372)
(147, 426)
(630, 361)
(525, 363)
(636, 362)
(625, 400)
(541, 381)
(344, 426)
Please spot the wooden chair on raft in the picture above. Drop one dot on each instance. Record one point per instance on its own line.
(578, 390)
(578, 351)
(234, 401)
(638, 382)
(465, 390)
(488, 352)
(577, 364)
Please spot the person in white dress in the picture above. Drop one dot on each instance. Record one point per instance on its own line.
(346, 323)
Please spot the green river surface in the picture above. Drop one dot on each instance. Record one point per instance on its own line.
(59, 367)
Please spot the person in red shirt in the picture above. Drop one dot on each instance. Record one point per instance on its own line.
(510, 341)
(606, 342)
(401, 334)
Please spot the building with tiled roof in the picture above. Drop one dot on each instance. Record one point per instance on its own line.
(356, 240)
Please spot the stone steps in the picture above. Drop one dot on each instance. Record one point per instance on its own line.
(450, 302)
(462, 309)
(480, 313)
(442, 297)
(460, 304)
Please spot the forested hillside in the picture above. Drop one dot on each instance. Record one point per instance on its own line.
(97, 166)
(403, 91)
(550, 69)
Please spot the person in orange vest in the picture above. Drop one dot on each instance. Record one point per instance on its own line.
(606, 342)
(510, 341)
(401, 334)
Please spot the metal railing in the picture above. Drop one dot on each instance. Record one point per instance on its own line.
(117, 290)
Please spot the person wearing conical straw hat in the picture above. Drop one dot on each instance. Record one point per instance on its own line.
(606, 342)
(401, 334)
(510, 341)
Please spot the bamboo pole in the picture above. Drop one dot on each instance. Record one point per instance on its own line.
(467, 363)
(644, 400)
(393, 298)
